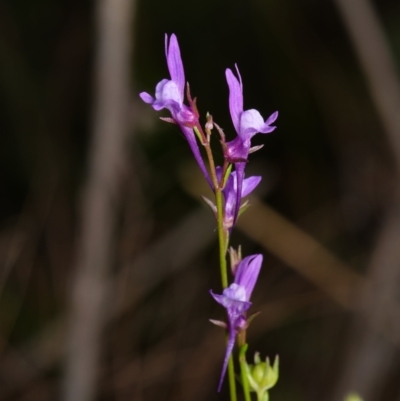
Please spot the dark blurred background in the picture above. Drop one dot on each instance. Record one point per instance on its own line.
(107, 254)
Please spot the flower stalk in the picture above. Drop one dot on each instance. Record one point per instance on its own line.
(229, 188)
(222, 238)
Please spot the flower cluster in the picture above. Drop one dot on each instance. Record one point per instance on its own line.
(229, 187)
(169, 94)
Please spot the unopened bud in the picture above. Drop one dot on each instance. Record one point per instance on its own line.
(235, 258)
(262, 376)
(209, 124)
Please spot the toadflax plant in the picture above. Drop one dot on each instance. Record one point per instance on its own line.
(229, 188)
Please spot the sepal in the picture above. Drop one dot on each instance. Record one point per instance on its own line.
(252, 317)
(227, 174)
(168, 120)
(210, 203)
(198, 134)
(235, 257)
(209, 124)
(221, 135)
(243, 207)
(255, 148)
(219, 323)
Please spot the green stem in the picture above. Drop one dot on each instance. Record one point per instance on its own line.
(231, 377)
(243, 372)
(262, 396)
(222, 237)
(203, 140)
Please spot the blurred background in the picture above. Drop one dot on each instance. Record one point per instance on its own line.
(107, 254)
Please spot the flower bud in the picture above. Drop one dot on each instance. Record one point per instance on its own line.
(262, 376)
(209, 124)
(235, 258)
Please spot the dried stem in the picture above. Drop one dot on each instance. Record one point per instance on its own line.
(94, 254)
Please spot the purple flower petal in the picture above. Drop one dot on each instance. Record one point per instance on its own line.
(168, 91)
(228, 352)
(191, 139)
(272, 118)
(235, 97)
(247, 273)
(239, 182)
(174, 61)
(146, 97)
(234, 292)
(168, 96)
(251, 123)
(231, 194)
(233, 299)
(249, 184)
(237, 150)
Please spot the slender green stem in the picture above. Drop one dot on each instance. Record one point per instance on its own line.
(224, 171)
(243, 372)
(262, 396)
(212, 166)
(203, 139)
(221, 238)
(223, 242)
(231, 377)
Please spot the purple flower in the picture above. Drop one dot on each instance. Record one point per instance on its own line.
(232, 197)
(236, 300)
(170, 95)
(247, 123)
